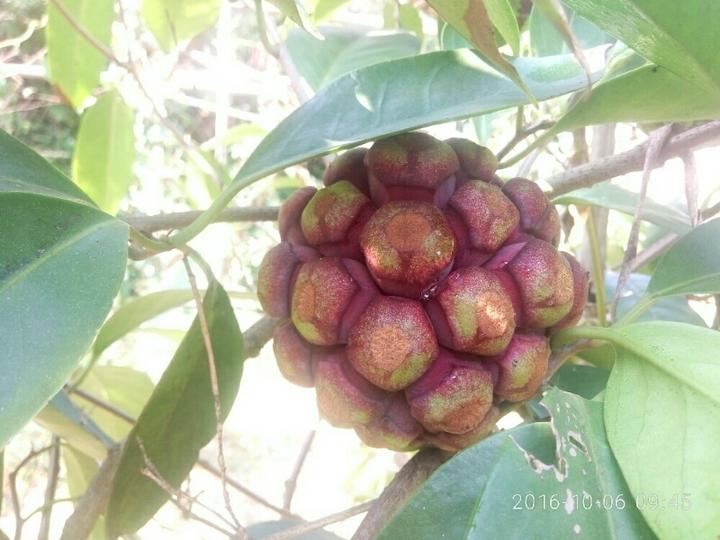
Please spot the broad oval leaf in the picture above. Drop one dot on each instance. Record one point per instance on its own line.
(343, 50)
(692, 266)
(681, 36)
(664, 393)
(179, 419)
(75, 65)
(607, 195)
(172, 21)
(105, 151)
(61, 264)
(511, 483)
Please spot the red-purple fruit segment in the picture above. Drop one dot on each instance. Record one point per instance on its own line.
(408, 247)
(293, 355)
(334, 217)
(289, 215)
(396, 429)
(538, 215)
(476, 162)
(522, 367)
(580, 294)
(487, 218)
(542, 278)
(452, 396)
(411, 166)
(344, 398)
(349, 166)
(275, 276)
(472, 312)
(392, 343)
(454, 443)
(327, 298)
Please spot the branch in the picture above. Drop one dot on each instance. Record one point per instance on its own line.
(406, 481)
(291, 483)
(163, 222)
(521, 134)
(633, 160)
(303, 528)
(258, 335)
(94, 501)
(50, 489)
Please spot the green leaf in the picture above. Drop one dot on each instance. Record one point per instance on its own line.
(179, 418)
(472, 20)
(675, 309)
(680, 36)
(585, 381)
(173, 21)
(258, 531)
(503, 18)
(410, 20)
(342, 51)
(294, 11)
(325, 8)
(646, 94)
(61, 264)
(75, 65)
(137, 311)
(691, 266)
(80, 471)
(105, 151)
(511, 483)
(63, 418)
(546, 40)
(664, 394)
(398, 96)
(607, 195)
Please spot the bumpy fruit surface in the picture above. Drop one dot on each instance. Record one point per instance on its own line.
(418, 291)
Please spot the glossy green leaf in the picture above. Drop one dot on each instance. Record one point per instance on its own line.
(105, 151)
(66, 420)
(503, 18)
(173, 21)
(646, 94)
(398, 96)
(546, 40)
(80, 471)
(342, 51)
(607, 195)
(585, 381)
(675, 308)
(137, 311)
(691, 266)
(179, 418)
(75, 65)
(61, 264)
(512, 483)
(680, 36)
(258, 531)
(472, 20)
(662, 405)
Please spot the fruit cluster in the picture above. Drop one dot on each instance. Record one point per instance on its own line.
(418, 291)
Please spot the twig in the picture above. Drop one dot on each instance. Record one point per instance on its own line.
(162, 222)
(258, 335)
(691, 187)
(521, 135)
(215, 387)
(633, 160)
(184, 501)
(716, 321)
(94, 501)
(50, 489)
(651, 253)
(658, 138)
(406, 481)
(320, 523)
(109, 407)
(291, 483)
(560, 355)
(12, 480)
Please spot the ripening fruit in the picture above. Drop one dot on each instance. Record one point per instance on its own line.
(418, 291)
